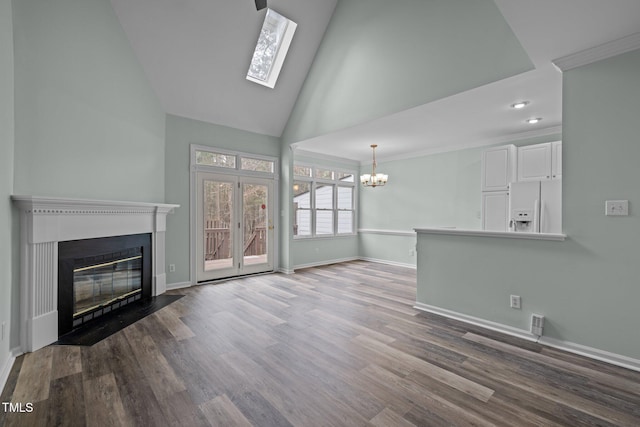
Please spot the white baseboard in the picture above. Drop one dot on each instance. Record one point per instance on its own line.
(582, 350)
(592, 353)
(487, 324)
(326, 262)
(181, 285)
(384, 261)
(5, 371)
(286, 270)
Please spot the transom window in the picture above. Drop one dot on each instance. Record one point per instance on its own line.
(230, 162)
(323, 201)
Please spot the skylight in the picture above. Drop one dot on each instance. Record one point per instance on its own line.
(271, 49)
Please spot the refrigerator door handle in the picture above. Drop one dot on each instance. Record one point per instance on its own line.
(536, 217)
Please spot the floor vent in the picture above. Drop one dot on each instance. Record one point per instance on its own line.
(537, 324)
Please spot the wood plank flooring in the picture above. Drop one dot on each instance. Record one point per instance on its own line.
(338, 345)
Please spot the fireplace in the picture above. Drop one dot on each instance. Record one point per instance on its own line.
(98, 276)
(47, 224)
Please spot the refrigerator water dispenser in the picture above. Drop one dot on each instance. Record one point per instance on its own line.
(522, 220)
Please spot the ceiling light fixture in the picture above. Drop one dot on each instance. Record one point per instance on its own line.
(520, 104)
(374, 179)
(534, 121)
(271, 49)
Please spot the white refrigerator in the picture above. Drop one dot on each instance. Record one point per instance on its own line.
(535, 206)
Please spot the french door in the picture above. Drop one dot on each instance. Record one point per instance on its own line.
(234, 225)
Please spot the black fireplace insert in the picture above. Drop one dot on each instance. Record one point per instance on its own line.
(98, 276)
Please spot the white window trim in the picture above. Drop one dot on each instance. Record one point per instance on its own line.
(237, 169)
(335, 183)
(195, 168)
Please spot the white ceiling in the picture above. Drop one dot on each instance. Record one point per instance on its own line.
(196, 54)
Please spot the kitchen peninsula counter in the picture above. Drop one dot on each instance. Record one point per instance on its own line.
(486, 233)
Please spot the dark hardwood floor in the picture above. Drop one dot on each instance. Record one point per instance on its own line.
(332, 346)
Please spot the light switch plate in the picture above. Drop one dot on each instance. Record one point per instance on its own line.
(617, 207)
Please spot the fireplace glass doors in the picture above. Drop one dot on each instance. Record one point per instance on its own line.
(115, 277)
(98, 276)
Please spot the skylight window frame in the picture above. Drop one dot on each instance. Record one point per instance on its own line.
(281, 50)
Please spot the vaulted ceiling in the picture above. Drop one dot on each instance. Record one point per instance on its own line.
(196, 54)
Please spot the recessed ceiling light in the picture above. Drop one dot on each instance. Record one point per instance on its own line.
(534, 121)
(520, 104)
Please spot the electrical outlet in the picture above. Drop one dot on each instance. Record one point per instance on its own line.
(617, 207)
(172, 268)
(515, 301)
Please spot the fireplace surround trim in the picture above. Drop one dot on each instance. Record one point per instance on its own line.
(45, 221)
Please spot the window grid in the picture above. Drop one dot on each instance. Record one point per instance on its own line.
(205, 158)
(332, 201)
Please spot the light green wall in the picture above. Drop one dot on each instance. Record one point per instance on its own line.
(438, 190)
(374, 60)
(285, 234)
(431, 191)
(380, 57)
(180, 134)
(87, 121)
(6, 174)
(313, 251)
(587, 286)
(388, 248)
(318, 251)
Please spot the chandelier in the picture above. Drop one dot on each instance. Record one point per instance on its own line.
(374, 179)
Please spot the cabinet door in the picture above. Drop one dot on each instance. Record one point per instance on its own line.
(534, 162)
(556, 160)
(498, 168)
(495, 210)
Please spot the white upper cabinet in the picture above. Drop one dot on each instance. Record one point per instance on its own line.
(540, 162)
(556, 160)
(498, 168)
(534, 162)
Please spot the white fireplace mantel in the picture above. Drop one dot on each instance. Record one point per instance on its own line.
(45, 221)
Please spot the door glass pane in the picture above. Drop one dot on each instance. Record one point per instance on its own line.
(255, 221)
(218, 232)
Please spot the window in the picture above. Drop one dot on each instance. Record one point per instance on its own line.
(218, 160)
(272, 46)
(324, 209)
(323, 202)
(259, 165)
(302, 208)
(209, 158)
(345, 209)
(303, 171)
